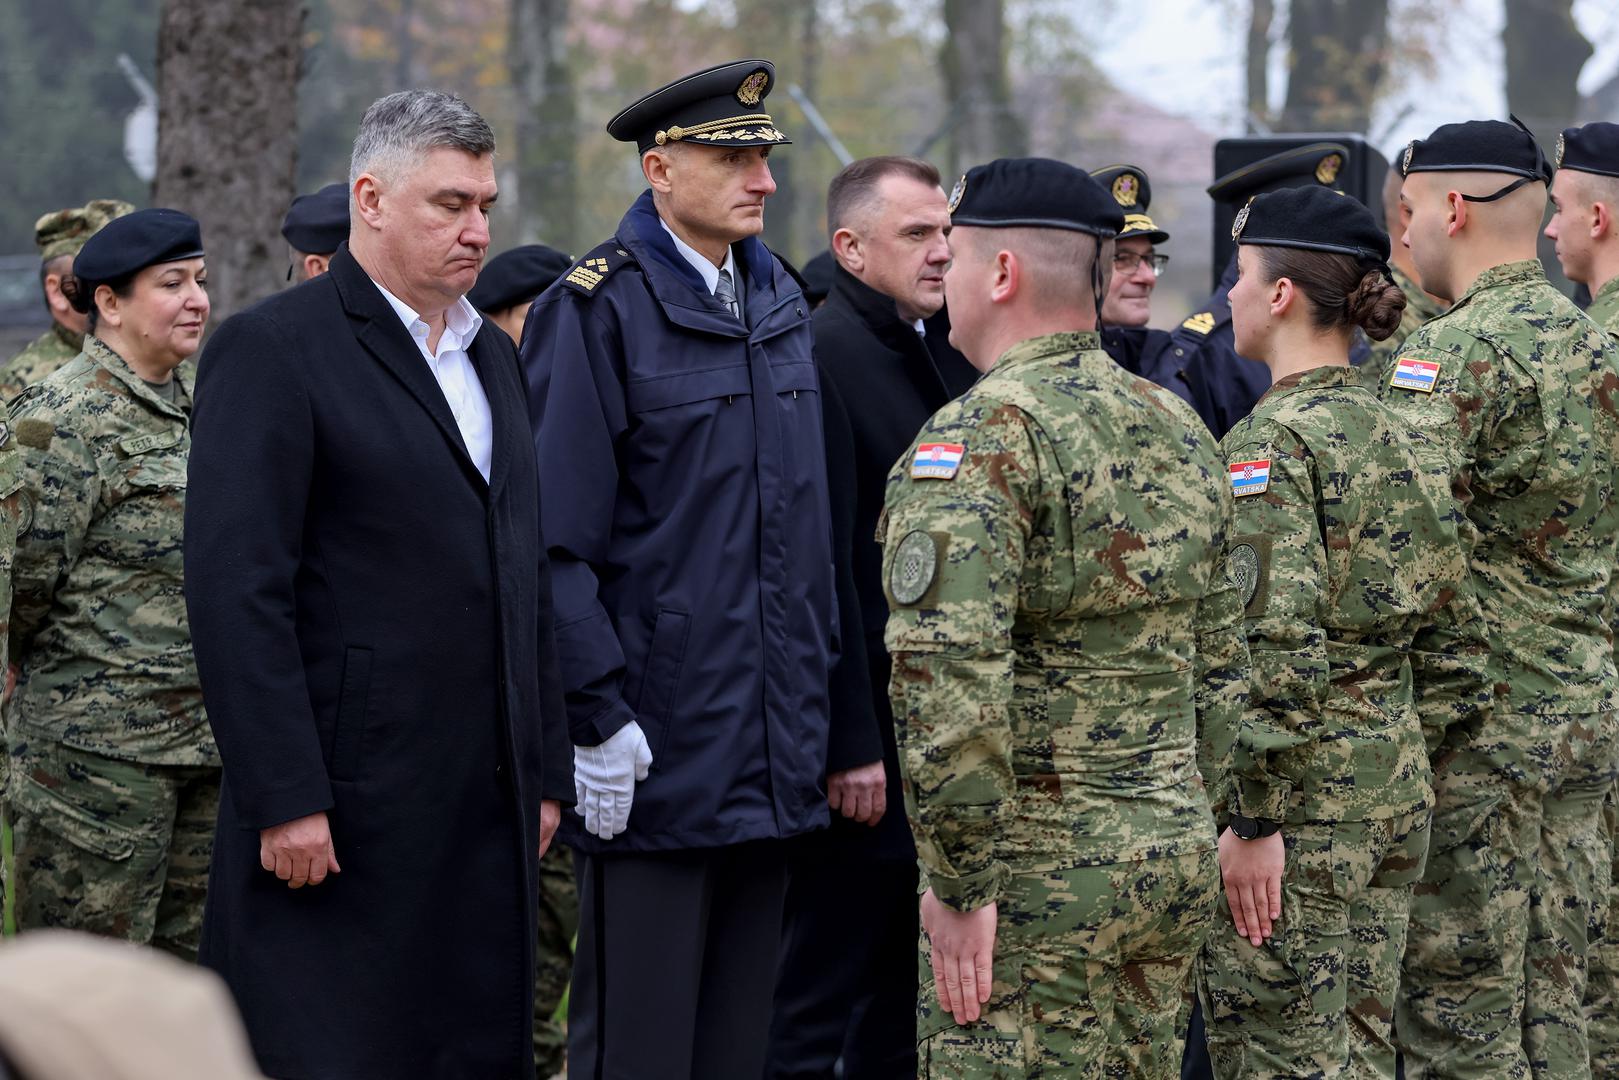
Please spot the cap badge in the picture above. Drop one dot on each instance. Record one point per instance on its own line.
(752, 90)
(1241, 221)
(1326, 170)
(1124, 190)
(956, 193)
(1559, 150)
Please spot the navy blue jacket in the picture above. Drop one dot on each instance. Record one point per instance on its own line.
(683, 487)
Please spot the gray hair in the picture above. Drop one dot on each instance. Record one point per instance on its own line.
(402, 127)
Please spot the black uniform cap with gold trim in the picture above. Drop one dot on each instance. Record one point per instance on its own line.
(1317, 163)
(1034, 193)
(1129, 187)
(1593, 148)
(718, 106)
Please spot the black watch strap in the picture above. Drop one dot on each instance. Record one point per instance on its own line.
(1247, 828)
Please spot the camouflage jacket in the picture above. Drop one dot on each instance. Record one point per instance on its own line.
(48, 352)
(99, 625)
(1604, 309)
(1062, 628)
(1520, 391)
(1419, 308)
(1349, 559)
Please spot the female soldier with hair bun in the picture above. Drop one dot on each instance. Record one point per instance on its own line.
(1346, 555)
(115, 776)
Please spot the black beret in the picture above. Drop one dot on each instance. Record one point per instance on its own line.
(1129, 187)
(1478, 146)
(718, 106)
(1318, 163)
(517, 276)
(818, 275)
(1593, 148)
(1312, 218)
(135, 241)
(1036, 193)
(318, 224)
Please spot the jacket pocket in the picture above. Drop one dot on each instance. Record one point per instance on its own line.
(351, 713)
(79, 827)
(661, 679)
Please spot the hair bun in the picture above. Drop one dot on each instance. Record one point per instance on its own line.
(1376, 304)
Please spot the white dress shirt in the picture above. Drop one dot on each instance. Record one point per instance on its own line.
(710, 272)
(453, 369)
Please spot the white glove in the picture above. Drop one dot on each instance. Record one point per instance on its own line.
(604, 779)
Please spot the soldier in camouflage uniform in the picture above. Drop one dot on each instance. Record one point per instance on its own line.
(115, 777)
(1517, 389)
(59, 235)
(1347, 552)
(1062, 632)
(1419, 306)
(1585, 194)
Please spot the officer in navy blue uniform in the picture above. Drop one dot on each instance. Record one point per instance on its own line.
(1220, 383)
(677, 419)
(1126, 337)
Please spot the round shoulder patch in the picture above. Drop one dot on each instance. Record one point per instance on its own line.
(916, 561)
(1243, 561)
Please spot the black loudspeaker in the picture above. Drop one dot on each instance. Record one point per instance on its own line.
(1361, 176)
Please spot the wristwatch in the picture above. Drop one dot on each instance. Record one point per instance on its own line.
(1248, 828)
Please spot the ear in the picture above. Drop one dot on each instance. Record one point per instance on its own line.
(656, 167)
(315, 265)
(1007, 275)
(55, 299)
(849, 251)
(106, 302)
(368, 199)
(1283, 294)
(1601, 220)
(1455, 213)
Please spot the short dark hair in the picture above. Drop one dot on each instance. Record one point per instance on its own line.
(855, 187)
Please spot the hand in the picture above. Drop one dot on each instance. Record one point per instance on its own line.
(1252, 870)
(299, 851)
(860, 793)
(604, 779)
(550, 818)
(963, 955)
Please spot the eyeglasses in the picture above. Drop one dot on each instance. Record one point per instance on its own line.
(1125, 262)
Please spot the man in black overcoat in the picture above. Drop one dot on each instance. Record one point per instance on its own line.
(847, 987)
(371, 607)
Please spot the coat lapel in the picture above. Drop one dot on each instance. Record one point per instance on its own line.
(508, 411)
(385, 338)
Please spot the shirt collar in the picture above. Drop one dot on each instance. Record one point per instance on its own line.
(700, 263)
(920, 327)
(461, 321)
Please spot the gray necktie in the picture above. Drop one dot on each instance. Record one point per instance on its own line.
(726, 293)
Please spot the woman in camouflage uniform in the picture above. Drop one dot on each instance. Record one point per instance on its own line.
(1347, 558)
(115, 778)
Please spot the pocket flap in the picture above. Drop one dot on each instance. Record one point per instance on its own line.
(72, 823)
(684, 387)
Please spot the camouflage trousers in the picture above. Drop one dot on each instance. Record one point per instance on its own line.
(1495, 966)
(1602, 982)
(553, 958)
(1090, 972)
(1317, 999)
(118, 848)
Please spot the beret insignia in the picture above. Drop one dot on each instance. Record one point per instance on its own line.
(1124, 190)
(1241, 220)
(1559, 150)
(956, 193)
(752, 90)
(1326, 170)
(1405, 162)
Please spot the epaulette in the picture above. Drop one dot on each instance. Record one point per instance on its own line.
(594, 266)
(1201, 323)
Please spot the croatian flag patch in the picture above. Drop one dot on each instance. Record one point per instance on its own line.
(1412, 374)
(937, 460)
(1250, 477)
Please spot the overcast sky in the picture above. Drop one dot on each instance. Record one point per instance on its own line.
(1186, 57)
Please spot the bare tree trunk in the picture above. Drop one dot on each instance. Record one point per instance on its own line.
(1545, 52)
(1337, 56)
(227, 82)
(1259, 22)
(547, 125)
(973, 59)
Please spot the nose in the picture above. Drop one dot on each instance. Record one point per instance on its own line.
(939, 254)
(760, 179)
(476, 232)
(1551, 228)
(1144, 273)
(197, 298)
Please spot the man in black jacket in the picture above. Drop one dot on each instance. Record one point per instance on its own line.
(847, 985)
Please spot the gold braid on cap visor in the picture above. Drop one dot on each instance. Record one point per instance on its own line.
(719, 129)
